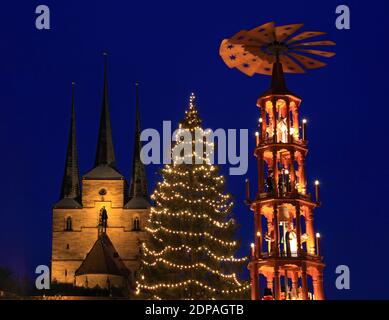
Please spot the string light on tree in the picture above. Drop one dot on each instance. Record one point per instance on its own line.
(190, 254)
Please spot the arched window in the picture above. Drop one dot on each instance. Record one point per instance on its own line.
(136, 224)
(69, 224)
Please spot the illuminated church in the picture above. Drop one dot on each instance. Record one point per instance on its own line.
(98, 222)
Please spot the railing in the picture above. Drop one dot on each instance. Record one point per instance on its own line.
(270, 140)
(292, 255)
(274, 194)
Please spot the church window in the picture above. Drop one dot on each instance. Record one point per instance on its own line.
(69, 224)
(67, 246)
(136, 224)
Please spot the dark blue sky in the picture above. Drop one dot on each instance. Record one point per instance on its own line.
(172, 49)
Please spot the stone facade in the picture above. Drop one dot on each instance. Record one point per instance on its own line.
(70, 247)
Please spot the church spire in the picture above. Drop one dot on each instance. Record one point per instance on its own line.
(138, 188)
(105, 154)
(70, 191)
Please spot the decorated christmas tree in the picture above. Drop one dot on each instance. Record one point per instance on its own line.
(190, 254)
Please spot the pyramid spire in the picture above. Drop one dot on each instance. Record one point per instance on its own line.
(138, 188)
(70, 191)
(278, 84)
(105, 154)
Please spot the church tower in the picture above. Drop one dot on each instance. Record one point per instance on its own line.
(286, 249)
(98, 227)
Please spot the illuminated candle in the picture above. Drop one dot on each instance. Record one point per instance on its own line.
(252, 250)
(317, 195)
(257, 138)
(260, 127)
(318, 244)
(259, 248)
(304, 130)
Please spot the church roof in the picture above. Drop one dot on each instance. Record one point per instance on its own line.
(138, 187)
(102, 259)
(70, 190)
(67, 203)
(103, 172)
(137, 203)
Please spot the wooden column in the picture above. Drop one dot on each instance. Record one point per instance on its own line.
(304, 283)
(318, 290)
(277, 283)
(295, 284)
(261, 173)
(310, 231)
(276, 230)
(287, 102)
(295, 116)
(269, 228)
(254, 277)
(302, 181)
(274, 105)
(275, 171)
(264, 124)
(292, 171)
(298, 229)
(286, 284)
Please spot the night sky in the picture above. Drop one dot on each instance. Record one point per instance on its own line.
(172, 49)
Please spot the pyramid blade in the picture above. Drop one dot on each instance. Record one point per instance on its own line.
(256, 51)
(264, 33)
(305, 35)
(231, 53)
(239, 37)
(250, 67)
(290, 66)
(315, 43)
(307, 62)
(282, 32)
(266, 67)
(327, 54)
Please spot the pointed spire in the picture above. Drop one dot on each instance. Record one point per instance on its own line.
(138, 188)
(278, 78)
(105, 154)
(71, 181)
(278, 85)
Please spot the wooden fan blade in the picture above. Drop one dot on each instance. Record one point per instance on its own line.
(305, 35)
(266, 67)
(307, 62)
(327, 54)
(263, 33)
(282, 32)
(256, 51)
(290, 66)
(231, 53)
(250, 67)
(315, 43)
(239, 37)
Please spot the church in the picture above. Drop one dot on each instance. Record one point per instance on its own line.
(98, 222)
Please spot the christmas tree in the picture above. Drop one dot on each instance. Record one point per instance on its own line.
(190, 254)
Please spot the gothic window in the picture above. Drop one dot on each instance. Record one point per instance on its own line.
(67, 246)
(69, 224)
(136, 224)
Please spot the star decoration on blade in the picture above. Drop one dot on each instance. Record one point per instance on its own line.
(254, 51)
